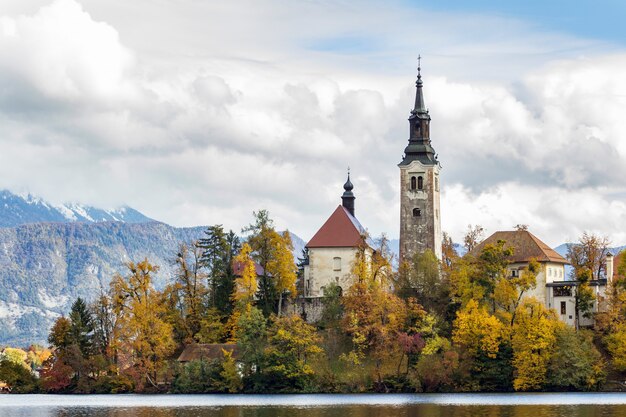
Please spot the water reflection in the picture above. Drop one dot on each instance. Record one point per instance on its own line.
(413, 410)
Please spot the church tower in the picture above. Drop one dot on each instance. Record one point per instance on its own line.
(420, 218)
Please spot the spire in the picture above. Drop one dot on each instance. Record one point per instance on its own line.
(419, 95)
(347, 199)
(419, 147)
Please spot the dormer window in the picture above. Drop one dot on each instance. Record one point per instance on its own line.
(417, 212)
(413, 183)
(420, 183)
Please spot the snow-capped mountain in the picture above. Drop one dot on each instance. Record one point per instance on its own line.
(17, 209)
(51, 255)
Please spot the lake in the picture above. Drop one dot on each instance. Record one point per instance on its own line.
(317, 405)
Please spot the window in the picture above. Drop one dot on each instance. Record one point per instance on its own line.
(436, 184)
(420, 183)
(336, 264)
(565, 291)
(514, 273)
(417, 212)
(563, 308)
(413, 183)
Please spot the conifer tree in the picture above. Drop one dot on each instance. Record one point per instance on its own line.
(82, 327)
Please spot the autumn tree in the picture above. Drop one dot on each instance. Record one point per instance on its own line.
(245, 284)
(448, 253)
(251, 334)
(589, 253)
(186, 295)
(509, 292)
(282, 267)
(291, 345)
(273, 252)
(473, 236)
(141, 329)
(373, 315)
(262, 234)
(533, 341)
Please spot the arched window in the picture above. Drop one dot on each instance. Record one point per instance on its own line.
(413, 183)
(417, 212)
(420, 183)
(336, 263)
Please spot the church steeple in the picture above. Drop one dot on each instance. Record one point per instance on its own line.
(347, 199)
(419, 95)
(419, 147)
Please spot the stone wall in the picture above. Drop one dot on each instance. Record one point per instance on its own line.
(421, 232)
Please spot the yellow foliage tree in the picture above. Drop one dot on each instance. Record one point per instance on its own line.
(246, 284)
(282, 267)
(616, 345)
(141, 330)
(476, 330)
(533, 341)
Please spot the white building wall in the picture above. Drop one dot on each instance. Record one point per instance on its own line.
(323, 269)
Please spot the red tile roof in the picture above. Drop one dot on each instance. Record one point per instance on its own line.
(238, 269)
(340, 230)
(525, 247)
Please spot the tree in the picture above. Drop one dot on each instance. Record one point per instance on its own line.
(373, 316)
(422, 280)
(60, 336)
(218, 251)
(508, 292)
(251, 336)
(18, 378)
(473, 236)
(477, 331)
(260, 240)
(616, 345)
(140, 328)
(282, 267)
(187, 293)
(448, 253)
(533, 342)
(104, 324)
(246, 284)
(575, 364)
(291, 345)
(589, 253)
(82, 327)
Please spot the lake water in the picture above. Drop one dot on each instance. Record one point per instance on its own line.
(366, 405)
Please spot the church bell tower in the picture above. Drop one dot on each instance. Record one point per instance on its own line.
(420, 218)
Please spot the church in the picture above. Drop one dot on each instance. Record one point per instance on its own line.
(332, 250)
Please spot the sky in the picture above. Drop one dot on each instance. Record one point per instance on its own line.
(199, 113)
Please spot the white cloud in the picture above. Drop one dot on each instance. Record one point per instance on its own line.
(201, 112)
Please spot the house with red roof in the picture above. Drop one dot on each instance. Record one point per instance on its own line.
(332, 250)
(553, 287)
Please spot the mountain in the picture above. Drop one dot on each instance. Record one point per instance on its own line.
(50, 255)
(45, 266)
(16, 210)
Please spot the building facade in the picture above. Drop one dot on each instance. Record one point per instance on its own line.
(420, 217)
(552, 288)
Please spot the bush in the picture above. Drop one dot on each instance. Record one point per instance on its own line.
(18, 378)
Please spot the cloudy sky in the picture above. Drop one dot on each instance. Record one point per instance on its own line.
(199, 112)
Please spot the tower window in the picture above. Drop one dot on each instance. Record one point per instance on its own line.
(436, 183)
(336, 264)
(417, 212)
(420, 183)
(413, 183)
